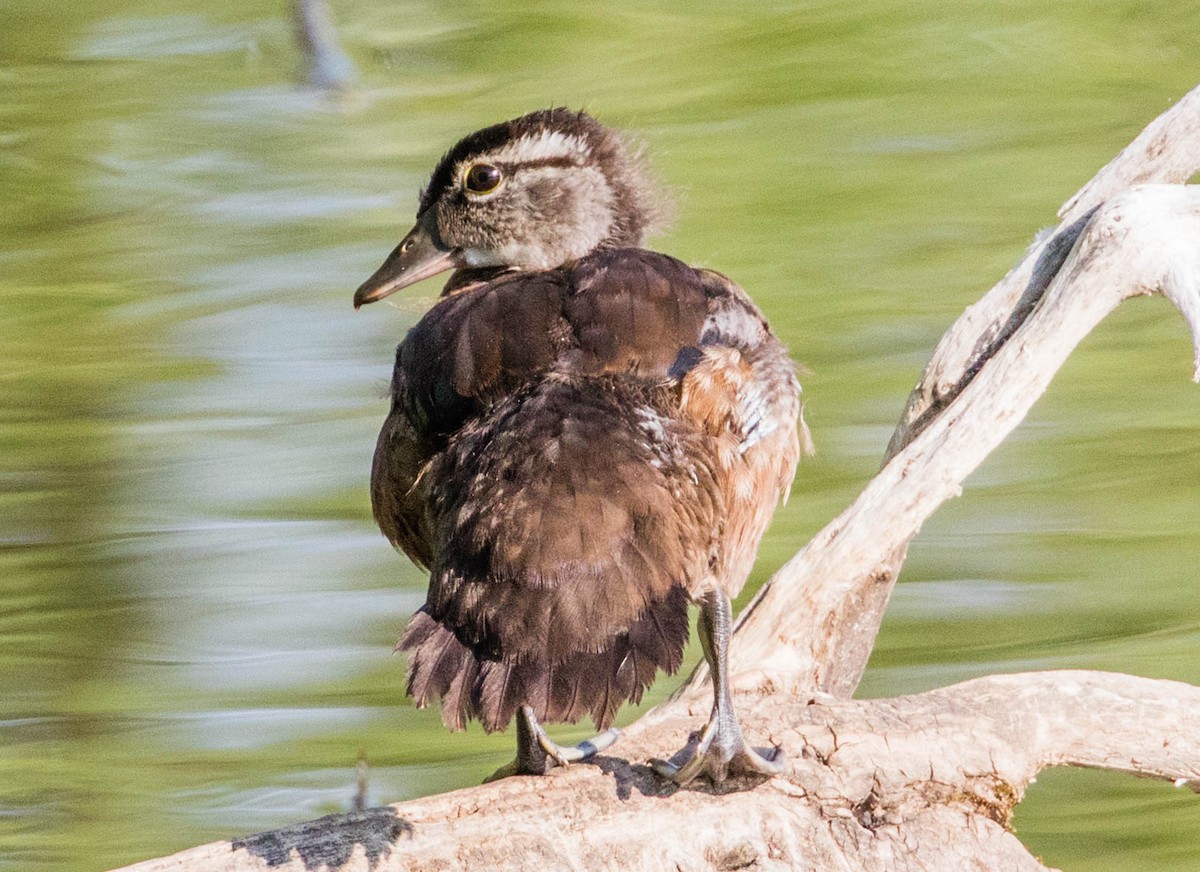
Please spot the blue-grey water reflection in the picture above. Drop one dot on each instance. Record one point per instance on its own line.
(197, 613)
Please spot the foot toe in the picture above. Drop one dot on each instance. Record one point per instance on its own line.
(767, 761)
(718, 761)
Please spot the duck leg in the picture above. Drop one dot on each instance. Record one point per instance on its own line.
(720, 748)
(537, 753)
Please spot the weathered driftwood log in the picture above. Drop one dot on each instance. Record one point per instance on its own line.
(921, 782)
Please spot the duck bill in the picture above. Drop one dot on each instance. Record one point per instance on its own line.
(418, 256)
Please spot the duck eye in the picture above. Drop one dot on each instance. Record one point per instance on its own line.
(482, 179)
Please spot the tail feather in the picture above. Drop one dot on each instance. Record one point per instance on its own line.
(593, 683)
(456, 701)
(659, 636)
(554, 693)
(613, 691)
(498, 693)
(636, 672)
(436, 660)
(568, 703)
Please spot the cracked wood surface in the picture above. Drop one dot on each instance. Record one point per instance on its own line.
(918, 782)
(926, 781)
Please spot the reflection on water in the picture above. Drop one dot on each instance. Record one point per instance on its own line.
(197, 611)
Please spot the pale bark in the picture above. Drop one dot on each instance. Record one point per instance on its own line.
(921, 782)
(918, 782)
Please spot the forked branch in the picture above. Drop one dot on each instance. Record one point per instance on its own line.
(814, 623)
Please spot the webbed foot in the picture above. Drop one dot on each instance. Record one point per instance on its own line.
(537, 753)
(718, 752)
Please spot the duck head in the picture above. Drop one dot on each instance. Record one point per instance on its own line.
(532, 193)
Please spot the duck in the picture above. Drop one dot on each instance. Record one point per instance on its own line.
(585, 437)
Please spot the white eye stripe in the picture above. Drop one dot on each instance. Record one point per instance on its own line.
(543, 145)
(547, 148)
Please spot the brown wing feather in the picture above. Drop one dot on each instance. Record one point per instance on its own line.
(402, 511)
(469, 348)
(632, 312)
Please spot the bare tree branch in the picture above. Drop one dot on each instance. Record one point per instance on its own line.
(1167, 151)
(919, 782)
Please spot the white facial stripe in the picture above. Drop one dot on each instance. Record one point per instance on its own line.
(545, 144)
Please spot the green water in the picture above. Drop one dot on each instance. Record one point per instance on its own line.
(196, 612)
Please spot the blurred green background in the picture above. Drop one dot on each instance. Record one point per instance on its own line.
(196, 611)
